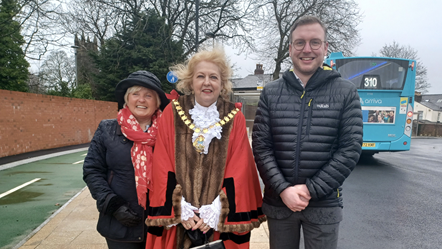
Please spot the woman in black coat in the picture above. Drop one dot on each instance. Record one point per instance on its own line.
(118, 166)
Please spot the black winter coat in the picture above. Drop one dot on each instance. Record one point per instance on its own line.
(309, 136)
(108, 171)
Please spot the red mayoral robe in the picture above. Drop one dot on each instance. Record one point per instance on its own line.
(228, 170)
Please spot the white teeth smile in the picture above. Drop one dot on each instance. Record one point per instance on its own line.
(138, 106)
(307, 59)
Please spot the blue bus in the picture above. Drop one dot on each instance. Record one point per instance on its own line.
(386, 91)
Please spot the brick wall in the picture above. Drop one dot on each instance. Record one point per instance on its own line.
(31, 122)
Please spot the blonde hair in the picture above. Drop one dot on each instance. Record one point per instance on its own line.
(138, 88)
(186, 71)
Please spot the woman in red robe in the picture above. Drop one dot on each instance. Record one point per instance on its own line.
(205, 185)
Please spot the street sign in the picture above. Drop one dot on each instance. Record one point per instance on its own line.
(171, 77)
(259, 85)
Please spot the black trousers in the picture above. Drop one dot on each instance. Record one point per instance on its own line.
(112, 244)
(286, 233)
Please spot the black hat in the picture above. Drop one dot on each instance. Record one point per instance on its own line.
(140, 78)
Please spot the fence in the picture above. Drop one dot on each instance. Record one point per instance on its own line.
(427, 130)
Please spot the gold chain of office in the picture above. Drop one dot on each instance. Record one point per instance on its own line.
(199, 142)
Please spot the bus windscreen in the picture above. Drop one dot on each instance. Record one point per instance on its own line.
(374, 74)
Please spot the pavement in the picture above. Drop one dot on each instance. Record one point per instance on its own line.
(73, 226)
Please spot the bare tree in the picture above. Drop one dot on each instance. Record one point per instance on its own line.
(90, 18)
(35, 85)
(57, 72)
(397, 51)
(225, 20)
(38, 23)
(274, 19)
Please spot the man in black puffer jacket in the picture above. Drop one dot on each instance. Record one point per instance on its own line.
(307, 139)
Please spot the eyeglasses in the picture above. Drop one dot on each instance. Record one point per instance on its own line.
(314, 44)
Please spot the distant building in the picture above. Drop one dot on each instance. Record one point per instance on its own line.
(247, 90)
(85, 64)
(252, 83)
(428, 107)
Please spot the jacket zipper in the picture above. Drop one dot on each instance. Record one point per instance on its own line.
(298, 145)
(309, 118)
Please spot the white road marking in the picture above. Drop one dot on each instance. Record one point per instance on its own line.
(34, 159)
(79, 162)
(19, 187)
(86, 153)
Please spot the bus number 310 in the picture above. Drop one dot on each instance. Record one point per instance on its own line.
(371, 82)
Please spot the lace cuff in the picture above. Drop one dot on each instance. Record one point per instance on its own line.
(187, 209)
(210, 213)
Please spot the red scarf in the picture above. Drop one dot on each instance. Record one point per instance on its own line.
(141, 152)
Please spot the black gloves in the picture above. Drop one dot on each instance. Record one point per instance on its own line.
(126, 216)
(119, 208)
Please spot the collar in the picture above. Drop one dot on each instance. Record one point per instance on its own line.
(119, 133)
(296, 76)
(203, 108)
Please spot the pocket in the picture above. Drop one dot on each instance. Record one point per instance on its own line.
(323, 215)
(109, 227)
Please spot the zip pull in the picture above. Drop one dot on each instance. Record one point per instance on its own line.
(338, 193)
(303, 93)
(310, 102)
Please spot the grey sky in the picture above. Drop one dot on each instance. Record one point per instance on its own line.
(408, 22)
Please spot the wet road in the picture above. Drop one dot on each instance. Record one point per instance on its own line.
(394, 200)
(25, 209)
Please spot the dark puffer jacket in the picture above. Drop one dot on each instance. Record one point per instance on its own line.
(108, 171)
(310, 136)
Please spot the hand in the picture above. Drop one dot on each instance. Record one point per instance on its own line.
(304, 194)
(202, 226)
(195, 223)
(296, 197)
(126, 216)
(190, 223)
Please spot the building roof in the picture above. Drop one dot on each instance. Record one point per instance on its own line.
(252, 81)
(432, 101)
(431, 105)
(435, 98)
